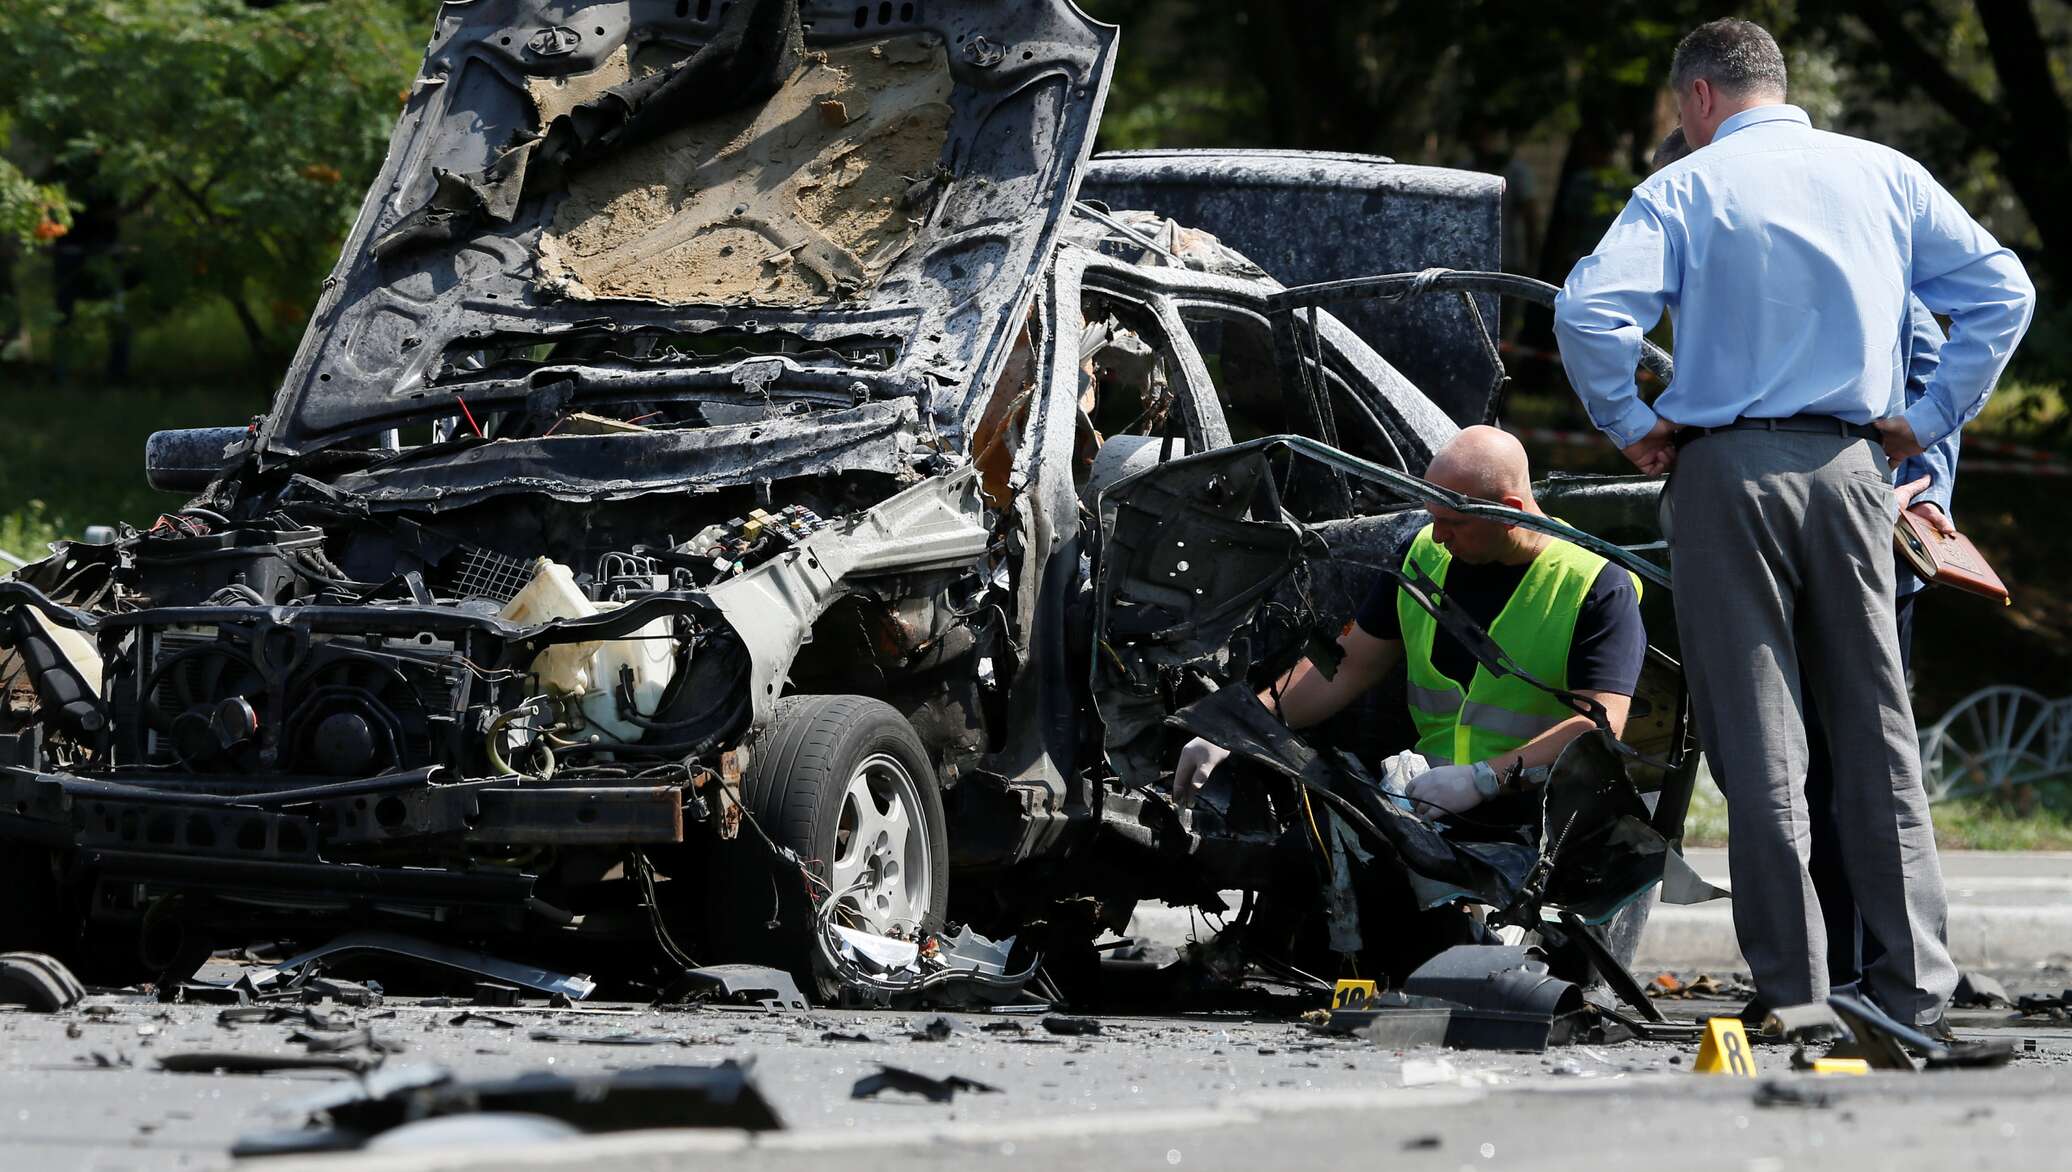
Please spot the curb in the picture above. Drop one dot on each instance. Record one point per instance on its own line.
(1701, 937)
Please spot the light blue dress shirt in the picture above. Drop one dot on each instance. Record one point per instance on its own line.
(1786, 255)
(1923, 340)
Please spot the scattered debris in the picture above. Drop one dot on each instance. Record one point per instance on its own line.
(296, 971)
(1978, 991)
(316, 990)
(2058, 1008)
(737, 984)
(201, 993)
(935, 1029)
(472, 1018)
(621, 1039)
(650, 1097)
(835, 1036)
(962, 969)
(1424, 1072)
(1004, 1027)
(495, 995)
(362, 1038)
(1072, 1027)
(120, 1061)
(37, 982)
(1504, 998)
(1879, 1040)
(935, 1090)
(277, 1014)
(1703, 985)
(206, 1062)
(1775, 1092)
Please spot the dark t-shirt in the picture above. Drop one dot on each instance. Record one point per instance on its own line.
(1603, 656)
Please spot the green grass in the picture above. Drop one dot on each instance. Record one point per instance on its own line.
(74, 456)
(2037, 820)
(2021, 411)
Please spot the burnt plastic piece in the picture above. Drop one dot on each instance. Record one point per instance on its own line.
(1489, 976)
(1979, 991)
(1397, 1021)
(935, 1090)
(39, 982)
(1621, 980)
(741, 984)
(655, 1096)
(1071, 1027)
(1507, 999)
(495, 994)
(1816, 1022)
(211, 1062)
(1884, 1042)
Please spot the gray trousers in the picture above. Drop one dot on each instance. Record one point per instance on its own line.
(1782, 564)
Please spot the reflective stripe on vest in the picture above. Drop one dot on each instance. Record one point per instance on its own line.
(1535, 628)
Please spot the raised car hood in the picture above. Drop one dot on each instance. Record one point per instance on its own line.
(583, 199)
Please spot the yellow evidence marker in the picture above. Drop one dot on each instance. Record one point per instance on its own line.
(1352, 994)
(1841, 1066)
(1725, 1049)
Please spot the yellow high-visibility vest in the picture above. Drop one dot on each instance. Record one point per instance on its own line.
(1535, 628)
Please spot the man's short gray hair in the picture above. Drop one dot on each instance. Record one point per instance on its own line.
(1738, 57)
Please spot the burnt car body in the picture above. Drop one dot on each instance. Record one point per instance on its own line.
(692, 515)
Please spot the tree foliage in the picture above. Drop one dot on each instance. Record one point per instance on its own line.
(208, 148)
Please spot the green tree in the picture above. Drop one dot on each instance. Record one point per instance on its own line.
(209, 148)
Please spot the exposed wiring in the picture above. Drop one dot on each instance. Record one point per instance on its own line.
(493, 744)
(643, 870)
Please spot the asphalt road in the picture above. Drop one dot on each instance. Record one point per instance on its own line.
(1148, 1092)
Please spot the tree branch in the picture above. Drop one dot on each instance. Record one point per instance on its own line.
(1921, 66)
(2021, 58)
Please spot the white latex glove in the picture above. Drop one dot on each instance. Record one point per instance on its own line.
(1197, 761)
(1397, 771)
(1448, 789)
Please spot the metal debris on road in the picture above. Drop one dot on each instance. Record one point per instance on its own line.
(1978, 991)
(935, 1029)
(626, 1100)
(1071, 1027)
(213, 1062)
(935, 1090)
(277, 1014)
(737, 984)
(1776, 1092)
(620, 1039)
(298, 970)
(1702, 985)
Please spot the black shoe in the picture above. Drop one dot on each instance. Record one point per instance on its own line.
(1754, 1014)
(1940, 1030)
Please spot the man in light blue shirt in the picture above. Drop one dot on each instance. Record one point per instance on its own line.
(1787, 255)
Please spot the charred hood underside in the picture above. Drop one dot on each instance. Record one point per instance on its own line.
(612, 200)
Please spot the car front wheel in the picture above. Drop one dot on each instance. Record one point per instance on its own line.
(844, 782)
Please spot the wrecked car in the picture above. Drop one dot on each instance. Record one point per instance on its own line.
(730, 492)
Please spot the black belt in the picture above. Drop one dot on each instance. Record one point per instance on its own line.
(1817, 424)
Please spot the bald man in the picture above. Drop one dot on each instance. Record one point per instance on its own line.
(1564, 614)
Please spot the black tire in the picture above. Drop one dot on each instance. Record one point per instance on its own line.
(798, 774)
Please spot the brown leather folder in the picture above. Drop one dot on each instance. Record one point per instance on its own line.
(1952, 561)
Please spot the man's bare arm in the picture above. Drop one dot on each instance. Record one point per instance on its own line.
(1543, 749)
(1307, 698)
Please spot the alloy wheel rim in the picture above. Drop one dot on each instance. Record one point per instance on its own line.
(881, 868)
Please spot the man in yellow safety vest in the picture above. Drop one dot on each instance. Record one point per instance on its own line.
(1566, 615)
